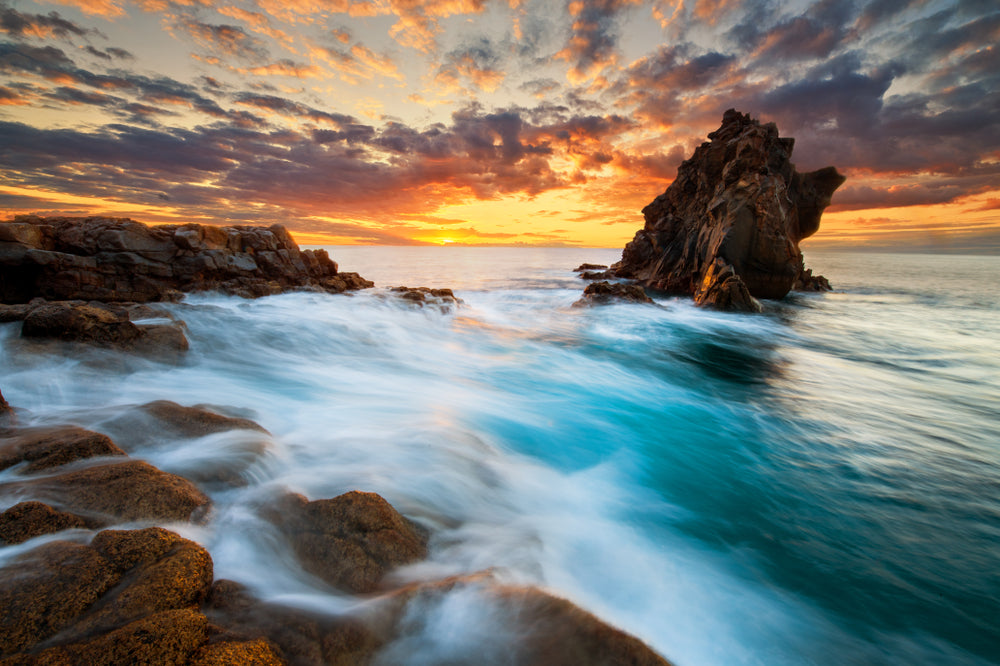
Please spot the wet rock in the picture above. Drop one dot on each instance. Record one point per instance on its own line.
(589, 267)
(601, 293)
(351, 541)
(444, 299)
(738, 200)
(116, 259)
(30, 519)
(126, 491)
(7, 416)
(101, 324)
(197, 421)
(128, 597)
(597, 275)
(293, 634)
(45, 447)
(258, 652)
(549, 631)
(722, 289)
(809, 282)
(80, 322)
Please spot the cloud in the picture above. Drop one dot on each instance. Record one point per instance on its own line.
(20, 25)
(476, 65)
(109, 9)
(593, 41)
(227, 40)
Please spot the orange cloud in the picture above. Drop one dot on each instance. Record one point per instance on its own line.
(108, 9)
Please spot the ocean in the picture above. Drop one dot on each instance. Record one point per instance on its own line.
(818, 484)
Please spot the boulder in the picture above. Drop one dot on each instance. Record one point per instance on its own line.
(351, 541)
(116, 259)
(128, 597)
(45, 447)
(102, 324)
(739, 201)
(602, 293)
(549, 630)
(30, 519)
(294, 635)
(7, 416)
(443, 299)
(198, 421)
(589, 267)
(125, 491)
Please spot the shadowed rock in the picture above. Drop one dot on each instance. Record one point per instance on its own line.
(443, 299)
(351, 541)
(116, 259)
(7, 416)
(739, 201)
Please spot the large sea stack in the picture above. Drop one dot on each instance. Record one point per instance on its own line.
(116, 259)
(727, 230)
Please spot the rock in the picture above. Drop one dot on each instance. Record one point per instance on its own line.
(126, 491)
(7, 416)
(30, 519)
(258, 652)
(351, 541)
(597, 275)
(45, 447)
(102, 324)
(601, 293)
(722, 289)
(809, 282)
(549, 631)
(421, 296)
(116, 259)
(738, 200)
(198, 421)
(80, 322)
(128, 597)
(589, 267)
(296, 635)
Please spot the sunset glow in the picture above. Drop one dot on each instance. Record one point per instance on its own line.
(492, 122)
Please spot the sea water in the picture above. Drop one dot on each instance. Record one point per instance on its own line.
(819, 484)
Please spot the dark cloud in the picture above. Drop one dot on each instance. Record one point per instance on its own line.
(20, 25)
(229, 40)
(477, 63)
(293, 109)
(592, 43)
(109, 54)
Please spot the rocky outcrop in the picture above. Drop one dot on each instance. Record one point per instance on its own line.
(115, 259)
(30, 519)
(351, 541)
(442, 299)
(730, 224)
(601, 293)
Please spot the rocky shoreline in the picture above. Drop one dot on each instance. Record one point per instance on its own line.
(97, 572)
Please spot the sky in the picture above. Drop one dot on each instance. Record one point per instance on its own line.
(509, 122)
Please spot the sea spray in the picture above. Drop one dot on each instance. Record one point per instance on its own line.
(796, 487)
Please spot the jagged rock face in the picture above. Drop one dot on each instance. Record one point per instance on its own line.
(113, 259)
(738, 200)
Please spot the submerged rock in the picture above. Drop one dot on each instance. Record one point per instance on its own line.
(116, 259)
(351, 541)
(738, 202)
(601, 293)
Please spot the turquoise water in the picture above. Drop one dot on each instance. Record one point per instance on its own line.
(819, 484)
